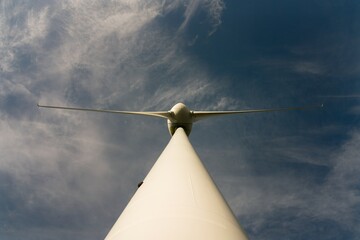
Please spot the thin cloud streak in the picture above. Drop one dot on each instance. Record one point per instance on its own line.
(341, 96)
(214, 9)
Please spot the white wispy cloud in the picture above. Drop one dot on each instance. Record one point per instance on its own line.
(333, 198)
(117, 54)
(214, 9)
(88, 53)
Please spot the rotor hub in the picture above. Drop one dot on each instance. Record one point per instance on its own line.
(182, 117)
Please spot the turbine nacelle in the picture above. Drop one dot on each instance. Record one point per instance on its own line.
(180, 116)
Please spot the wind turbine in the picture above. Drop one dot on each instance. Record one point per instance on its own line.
(178, 199)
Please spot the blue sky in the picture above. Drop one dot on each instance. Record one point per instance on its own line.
(69, 175)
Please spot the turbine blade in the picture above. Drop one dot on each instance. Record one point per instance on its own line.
(162, 114)
(200, 115)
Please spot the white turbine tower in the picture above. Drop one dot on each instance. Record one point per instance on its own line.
(178, 199)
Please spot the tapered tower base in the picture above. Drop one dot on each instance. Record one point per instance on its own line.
(178, 200)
